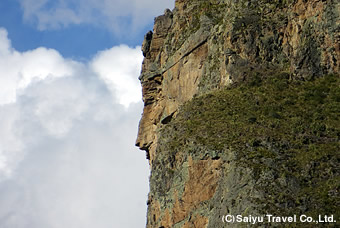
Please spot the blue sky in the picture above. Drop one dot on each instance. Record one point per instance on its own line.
(70, 102)
(76, 40)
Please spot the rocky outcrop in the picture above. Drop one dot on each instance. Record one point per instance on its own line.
(203, 46)
(268, 146)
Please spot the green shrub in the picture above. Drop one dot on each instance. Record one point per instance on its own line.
(288, 127)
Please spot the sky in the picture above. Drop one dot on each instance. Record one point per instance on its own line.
(70, 103)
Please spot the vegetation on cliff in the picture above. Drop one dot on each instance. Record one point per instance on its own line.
(241, 111)
(286, 131)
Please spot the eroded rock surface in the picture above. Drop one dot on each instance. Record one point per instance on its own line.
(205, 45)
(202, 46)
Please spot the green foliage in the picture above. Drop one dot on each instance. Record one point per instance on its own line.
(277, 125)
(215, 11)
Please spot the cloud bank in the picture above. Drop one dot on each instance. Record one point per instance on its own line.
(117, 15)
(67, 131)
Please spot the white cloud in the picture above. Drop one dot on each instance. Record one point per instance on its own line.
(113, 14)
(5, 43)
(17, 69)
(117, 67)
(67, 155)
(120, 61)
(10, 147)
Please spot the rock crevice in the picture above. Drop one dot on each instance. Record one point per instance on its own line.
(204, 46)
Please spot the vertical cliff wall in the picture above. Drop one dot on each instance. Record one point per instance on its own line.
(196, 53)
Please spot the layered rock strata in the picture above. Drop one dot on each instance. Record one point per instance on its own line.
(203, 46)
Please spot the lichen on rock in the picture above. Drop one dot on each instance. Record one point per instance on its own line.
(249, 59)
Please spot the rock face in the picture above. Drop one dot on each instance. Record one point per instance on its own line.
(202, 47)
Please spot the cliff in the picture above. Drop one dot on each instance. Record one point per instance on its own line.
(241, 111)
